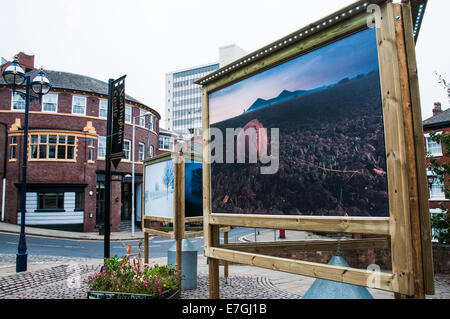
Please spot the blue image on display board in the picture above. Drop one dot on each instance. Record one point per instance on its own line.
(159, 188)
(193, 189)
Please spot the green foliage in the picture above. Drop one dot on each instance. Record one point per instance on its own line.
(440, 222)
(130, 275)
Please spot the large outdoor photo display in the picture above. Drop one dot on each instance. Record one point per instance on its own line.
(327, 107)
(159, 189)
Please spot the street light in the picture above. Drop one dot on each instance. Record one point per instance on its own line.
(15, 76)
(132, 170)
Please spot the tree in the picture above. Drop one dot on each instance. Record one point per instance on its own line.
(444, 83)
(440, 222)
(168, 177)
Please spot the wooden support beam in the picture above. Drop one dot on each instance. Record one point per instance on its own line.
(270, 248)
(360, 225)
(152, 231)
(381, 280)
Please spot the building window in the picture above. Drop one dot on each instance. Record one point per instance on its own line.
(152, 151)
(103, 109)
(13, 148)
(101, 152)
(150, 123)
(141, 152)
(165, 143)
(79, 105)
(18, 102)
(91, 150)
(437, 190)
(142, 118)
(434, 149)
(126, 149)
(50, 103)
(50, 201)
(51, 147)
(79, 201)
(128, 113)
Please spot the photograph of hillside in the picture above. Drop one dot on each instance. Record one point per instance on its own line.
(328, 109)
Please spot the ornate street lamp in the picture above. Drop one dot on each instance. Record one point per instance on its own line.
(15, 76)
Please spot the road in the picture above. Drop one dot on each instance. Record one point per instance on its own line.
(94, 249)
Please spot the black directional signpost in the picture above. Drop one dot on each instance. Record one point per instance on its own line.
(114, 145)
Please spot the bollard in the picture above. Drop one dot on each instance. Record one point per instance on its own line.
(188, 263)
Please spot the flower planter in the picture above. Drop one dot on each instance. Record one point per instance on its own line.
(174, 294)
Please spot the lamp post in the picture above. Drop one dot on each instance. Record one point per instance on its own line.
(132, 169)
(15, 76)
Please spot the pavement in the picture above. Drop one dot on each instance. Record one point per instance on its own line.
(66, 277)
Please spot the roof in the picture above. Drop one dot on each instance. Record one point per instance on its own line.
(440, 120)
(78, 82)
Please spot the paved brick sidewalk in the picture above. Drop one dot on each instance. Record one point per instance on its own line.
(70, 282)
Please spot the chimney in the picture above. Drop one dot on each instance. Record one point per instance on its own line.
(26, 61)
(437, 109)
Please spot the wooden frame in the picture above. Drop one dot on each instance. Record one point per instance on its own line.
(408, 225)
(179, 231)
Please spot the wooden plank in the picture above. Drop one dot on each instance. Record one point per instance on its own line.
(193, 234)
(193, 219)
(384, 281)
(361, 225)
(160, 219)
(424, 210)
(159, 233)
(310, 245)
(419, 292)
(400, 227)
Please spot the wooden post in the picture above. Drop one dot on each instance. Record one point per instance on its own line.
(396, 154)
(179, 210)
(146, 246)
(225, 263)
(214, 276)
(424, 210)
(411, 155)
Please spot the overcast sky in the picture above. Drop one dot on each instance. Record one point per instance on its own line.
(145, 39)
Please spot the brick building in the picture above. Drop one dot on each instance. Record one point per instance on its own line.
(440, 124)
(66, 153)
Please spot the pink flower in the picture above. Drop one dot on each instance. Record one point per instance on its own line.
(145, 284)
(159, 289)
